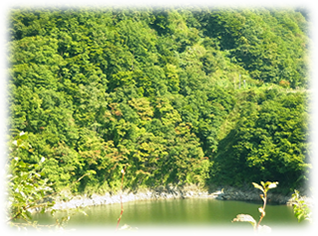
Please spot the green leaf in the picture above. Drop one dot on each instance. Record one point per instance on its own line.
(272, 185)
(245, 218)
(258, 186)
(129, 228)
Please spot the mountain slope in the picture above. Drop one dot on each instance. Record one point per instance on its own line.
(176, 95)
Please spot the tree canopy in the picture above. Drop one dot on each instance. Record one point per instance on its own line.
(177, 95)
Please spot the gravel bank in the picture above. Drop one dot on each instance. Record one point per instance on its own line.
(169, 192)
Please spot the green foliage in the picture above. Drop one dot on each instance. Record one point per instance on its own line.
(301, 209)
(176, 95)
(28, 190)
(264, 187)
(309, 12)
(269, 140)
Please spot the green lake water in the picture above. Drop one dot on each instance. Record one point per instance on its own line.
(180, 213)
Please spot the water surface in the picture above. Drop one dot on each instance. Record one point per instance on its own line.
(179, 212)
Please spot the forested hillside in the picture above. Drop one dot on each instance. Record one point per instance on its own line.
(176, 95)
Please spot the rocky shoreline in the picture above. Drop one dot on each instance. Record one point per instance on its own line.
(168, 192)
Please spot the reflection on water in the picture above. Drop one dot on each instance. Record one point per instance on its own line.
(180, 212)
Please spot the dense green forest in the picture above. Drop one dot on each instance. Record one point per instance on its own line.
(176, 95)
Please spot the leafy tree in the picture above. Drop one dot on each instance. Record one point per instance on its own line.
(309, 11)
(28, 189)
(173, 95)
(264, 142)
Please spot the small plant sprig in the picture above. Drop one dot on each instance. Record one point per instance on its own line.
(264, 187)
(125, 226)
(302, 211)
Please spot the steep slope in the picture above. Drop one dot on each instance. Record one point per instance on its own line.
(151, 85)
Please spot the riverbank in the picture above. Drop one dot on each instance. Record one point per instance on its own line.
(166, 192)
